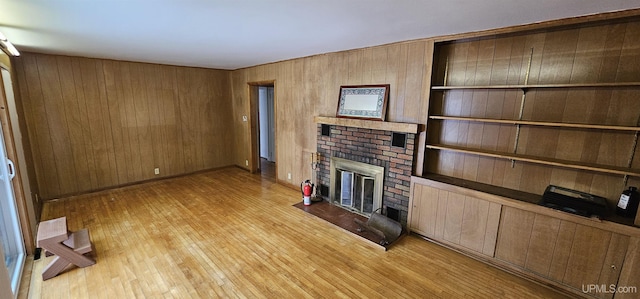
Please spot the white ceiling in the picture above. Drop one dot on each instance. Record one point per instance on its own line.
(231, 34)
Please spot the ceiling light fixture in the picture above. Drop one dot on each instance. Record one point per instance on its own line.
(5, 43)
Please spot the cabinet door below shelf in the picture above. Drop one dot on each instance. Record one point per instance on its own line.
(571, 254)
(465, 221)
(629, 281)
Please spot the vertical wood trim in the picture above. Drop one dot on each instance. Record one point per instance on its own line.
(429, 210)
(27, 142)
(453, 218)
(562, 250)
(254, 160)
(441, 214)
(413, 213)
(491, 231)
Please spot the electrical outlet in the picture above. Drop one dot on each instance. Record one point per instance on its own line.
(156, 171)
(246, 162)
(289, 175)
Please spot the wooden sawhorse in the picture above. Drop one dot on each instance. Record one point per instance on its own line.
(68, 247)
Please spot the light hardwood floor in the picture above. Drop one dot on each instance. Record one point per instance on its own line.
(228, 233)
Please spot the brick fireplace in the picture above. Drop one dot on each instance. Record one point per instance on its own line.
(385, 144)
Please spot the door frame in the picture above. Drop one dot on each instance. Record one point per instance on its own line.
(15, 197)
(254, 105)
(28, 222)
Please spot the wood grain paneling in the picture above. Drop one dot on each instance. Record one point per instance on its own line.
(514, 235)
(544, 233)
(587, 256)
(309, 87)
(562, 249)
(614, 262)
(571, 254)
(98, 123)
(630, 273)
(452, 218)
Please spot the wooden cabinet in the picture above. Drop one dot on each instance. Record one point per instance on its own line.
(572, 254)
(584, 256)
(455, 219)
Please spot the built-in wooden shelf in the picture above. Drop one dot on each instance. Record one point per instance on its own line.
(369, 124)
(536, 123)
(541, 86)
(540, 160)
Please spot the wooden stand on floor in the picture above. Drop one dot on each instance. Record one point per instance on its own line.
(68, 247)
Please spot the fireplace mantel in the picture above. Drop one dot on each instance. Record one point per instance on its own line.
(368, 124)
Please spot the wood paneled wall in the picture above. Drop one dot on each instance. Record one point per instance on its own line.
(599, 53)
(309, 86)
(96, 123)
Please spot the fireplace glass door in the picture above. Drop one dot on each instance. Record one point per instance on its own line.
(346, 194)
(355, 191)
(366, 197)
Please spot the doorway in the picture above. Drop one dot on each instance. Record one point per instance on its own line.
(264, 140)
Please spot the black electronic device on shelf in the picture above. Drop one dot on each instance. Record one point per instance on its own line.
(575, 202)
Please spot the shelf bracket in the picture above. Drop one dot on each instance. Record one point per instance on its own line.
(446, 72)
(517, 137)
(522, 101)
(634, 145)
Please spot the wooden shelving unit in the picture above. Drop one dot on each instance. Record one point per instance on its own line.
(509, 99)
(520, 122)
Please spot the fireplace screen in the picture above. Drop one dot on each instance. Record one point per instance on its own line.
(356, 186)
(346, 188)
(355, 191)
